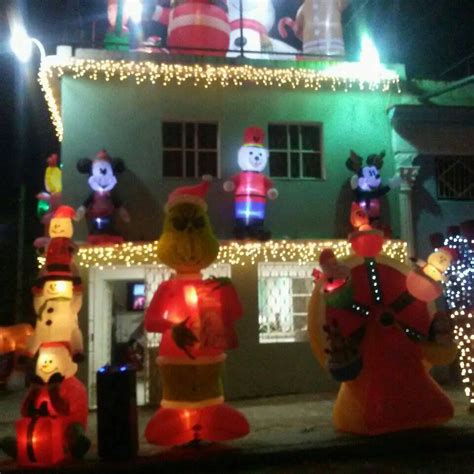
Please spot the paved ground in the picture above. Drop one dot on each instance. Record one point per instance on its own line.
(291, 434)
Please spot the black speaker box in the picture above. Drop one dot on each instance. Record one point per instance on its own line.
(117, 423)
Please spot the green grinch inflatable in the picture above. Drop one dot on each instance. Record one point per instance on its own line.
(196, 319)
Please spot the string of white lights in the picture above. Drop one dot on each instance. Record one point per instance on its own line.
(335, 76)
(460, 298)
(232, 252)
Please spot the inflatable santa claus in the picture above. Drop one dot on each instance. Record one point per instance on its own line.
(196, 26)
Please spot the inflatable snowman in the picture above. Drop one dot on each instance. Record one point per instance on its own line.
(425, 280)
(251, 187)
(57, 318)
(250, 31)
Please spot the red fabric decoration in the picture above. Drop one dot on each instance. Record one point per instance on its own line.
(254, 136)
(394, 390)
(40, 441)
(367, 243)
(41, 436)
(192, 194)
(198, 24)
(210, 309)
(64, 212)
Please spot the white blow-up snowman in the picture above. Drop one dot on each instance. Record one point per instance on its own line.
(251, 187)
(251, 31)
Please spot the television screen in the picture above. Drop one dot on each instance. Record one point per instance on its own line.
(136, 296)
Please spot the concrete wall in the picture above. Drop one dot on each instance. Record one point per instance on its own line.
(424, 141)
(430, 213)
(253, 369)
(126, 119)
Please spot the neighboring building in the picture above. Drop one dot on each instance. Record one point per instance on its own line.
(200, 116)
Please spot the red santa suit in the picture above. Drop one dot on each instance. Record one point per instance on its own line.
(60, 254)
(209, 309)
(251, 186)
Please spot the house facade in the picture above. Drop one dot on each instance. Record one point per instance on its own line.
(173, 119)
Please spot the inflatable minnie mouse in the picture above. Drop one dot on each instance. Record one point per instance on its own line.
(101, 205)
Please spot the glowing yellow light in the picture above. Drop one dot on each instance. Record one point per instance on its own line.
(232, 252)
(342, 76)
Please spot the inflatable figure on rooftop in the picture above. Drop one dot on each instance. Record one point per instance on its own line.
(380, 340)
(251, 187)
(102, 205)
(236, 27)
(251, 22)
(318, 26)
(196, 26)
(196, 318)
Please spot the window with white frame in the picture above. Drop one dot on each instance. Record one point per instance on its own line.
(190, 149)
(284, 291)
(295, 151)
(455, 177)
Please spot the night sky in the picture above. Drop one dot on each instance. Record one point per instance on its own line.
(428, 36)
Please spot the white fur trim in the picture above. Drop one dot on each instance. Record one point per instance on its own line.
(201, 404)
(164, 360)
(188, 199)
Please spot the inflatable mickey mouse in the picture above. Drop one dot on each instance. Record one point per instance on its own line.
(367, 184)
(101, 205)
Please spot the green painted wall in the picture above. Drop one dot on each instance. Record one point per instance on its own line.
(126, 119)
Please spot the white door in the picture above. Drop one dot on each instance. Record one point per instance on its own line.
(100, 318)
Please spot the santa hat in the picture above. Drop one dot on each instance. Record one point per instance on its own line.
(103, 155)
(327, 257)
(189, 194)
(64, 212)
(254, 136)
(53, 160)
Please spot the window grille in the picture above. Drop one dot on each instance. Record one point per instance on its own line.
(455, 177)
(284, 291)
(190, 150)
(295, 151)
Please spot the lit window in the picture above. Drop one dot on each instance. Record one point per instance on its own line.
(295, 151)
(284, 291)
(455, 177)
(190, 150)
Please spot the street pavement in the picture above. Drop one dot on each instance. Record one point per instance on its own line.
(288, 434)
